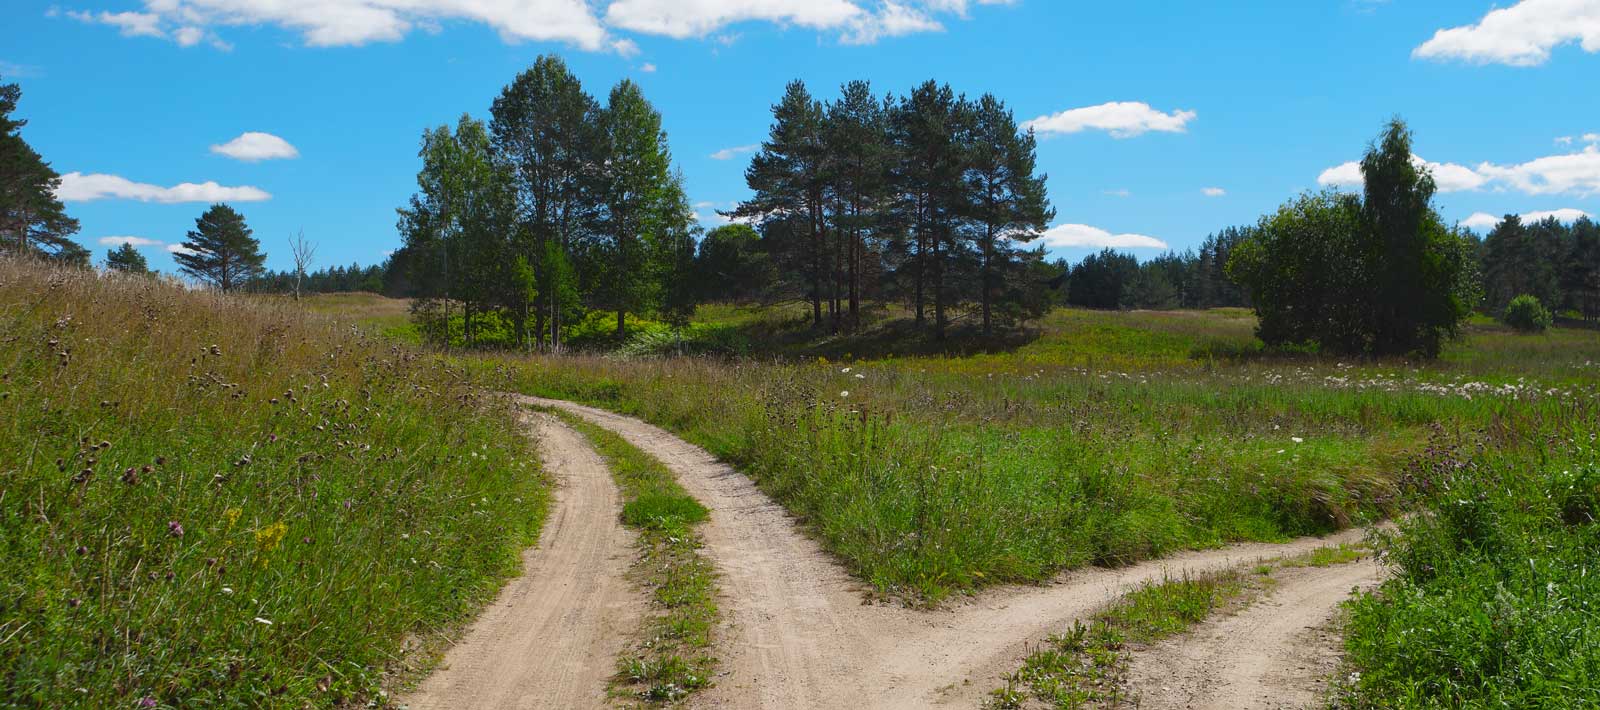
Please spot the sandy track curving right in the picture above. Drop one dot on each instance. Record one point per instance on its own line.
(552, 638)
(1276, 653)
(801, 636)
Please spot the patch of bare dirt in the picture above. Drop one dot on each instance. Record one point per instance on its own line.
(1277, 653)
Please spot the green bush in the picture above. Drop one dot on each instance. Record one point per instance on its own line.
(1527, 314)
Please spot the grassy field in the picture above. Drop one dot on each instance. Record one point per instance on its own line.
(210, 502)
(1104, 438)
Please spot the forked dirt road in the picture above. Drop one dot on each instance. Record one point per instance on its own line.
(1270, 655)
(551, 638)
(800, 636)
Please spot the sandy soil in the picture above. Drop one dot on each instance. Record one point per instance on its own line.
(1276, 653)
(552, 637)
(800, 635)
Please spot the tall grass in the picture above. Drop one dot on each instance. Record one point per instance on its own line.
(1495, 596)
(210, 502)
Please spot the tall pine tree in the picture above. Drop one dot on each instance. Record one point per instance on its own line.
(220, 250)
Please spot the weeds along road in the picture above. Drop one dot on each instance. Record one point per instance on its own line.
(1270, 655)
(552, 637)
(800, 636)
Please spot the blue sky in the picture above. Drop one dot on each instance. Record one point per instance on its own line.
(1145, 106)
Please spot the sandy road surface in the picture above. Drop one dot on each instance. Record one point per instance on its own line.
(800, 636)
(552, 637)
(1276, 653)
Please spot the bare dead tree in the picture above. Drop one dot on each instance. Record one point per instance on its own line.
(304, 256)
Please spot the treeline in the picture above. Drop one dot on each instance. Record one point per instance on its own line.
(335, 279)
(1559, 264)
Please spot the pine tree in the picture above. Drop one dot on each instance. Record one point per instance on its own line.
(220, 250)
(1005, 199)
(787, 179)
(641, 204)
(32, 220)
(127, 260)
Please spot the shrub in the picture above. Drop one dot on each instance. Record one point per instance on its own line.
(1527, 314)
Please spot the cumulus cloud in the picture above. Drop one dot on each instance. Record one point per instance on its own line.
(1521, 35)
(355, 22)
(647, 68)
(253, 146)
(78, 187)
(580, 23)
(1122, 119)
(135, 241)
(1450, 177)
(1571, 174)
(180, 249)
(736, 151)
(1485, 221)
(1085, 236)
(1213, 191)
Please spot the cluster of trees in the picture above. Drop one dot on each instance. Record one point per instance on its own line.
(334, 279)
(557, 205)
(1556, 263)
(1378, 273)
(926, 198)
(1112, 279)
(33, 221)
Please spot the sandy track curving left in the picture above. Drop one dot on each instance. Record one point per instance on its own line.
(551, 638)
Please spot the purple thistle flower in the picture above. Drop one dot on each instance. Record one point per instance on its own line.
(175, 529)
(147, 702)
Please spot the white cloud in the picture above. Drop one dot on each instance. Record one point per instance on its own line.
(1572, 174)
(252, 146)
(135, 241)
(1591, 137)
(1085, 236)
(1213, 191)
(180, 249)
(736, 151)
(647, 68)
(326, 23)
(1450, 177)
(892, 20)
(1564, 140)
(128, 24)
(1122, 119)
(1521, 35)
(1484, 221)
(1566, 215)
(77, 187)
(1117, 193)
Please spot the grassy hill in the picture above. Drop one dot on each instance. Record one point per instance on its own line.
(209, 501)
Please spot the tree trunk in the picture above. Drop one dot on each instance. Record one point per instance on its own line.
(622, 328)
(938, 292)
(920, 261)
(986, 276)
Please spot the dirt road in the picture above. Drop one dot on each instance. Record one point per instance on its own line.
(1276, 653)
(800, 636)
(552, 637)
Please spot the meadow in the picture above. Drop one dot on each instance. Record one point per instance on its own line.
(220, 502)
(1108, 437)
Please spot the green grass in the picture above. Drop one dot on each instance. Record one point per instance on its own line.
(671, 657)
(1494, 593)
(218, 502)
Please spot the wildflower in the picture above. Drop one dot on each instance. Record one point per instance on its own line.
(227, 590)
(147, 702)
(174, 529)
(845, 393)
(232, 514)
(268, 538)
(1297, 440)
(260, 620)
(83, 550)
(130, 476)
(846, 370)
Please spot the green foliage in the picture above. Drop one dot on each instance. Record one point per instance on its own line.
(127, 260)
(1526, 314)
(214, 502)
(32, 219)
(1491, 600)
(1375, 275)
(220, 250)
